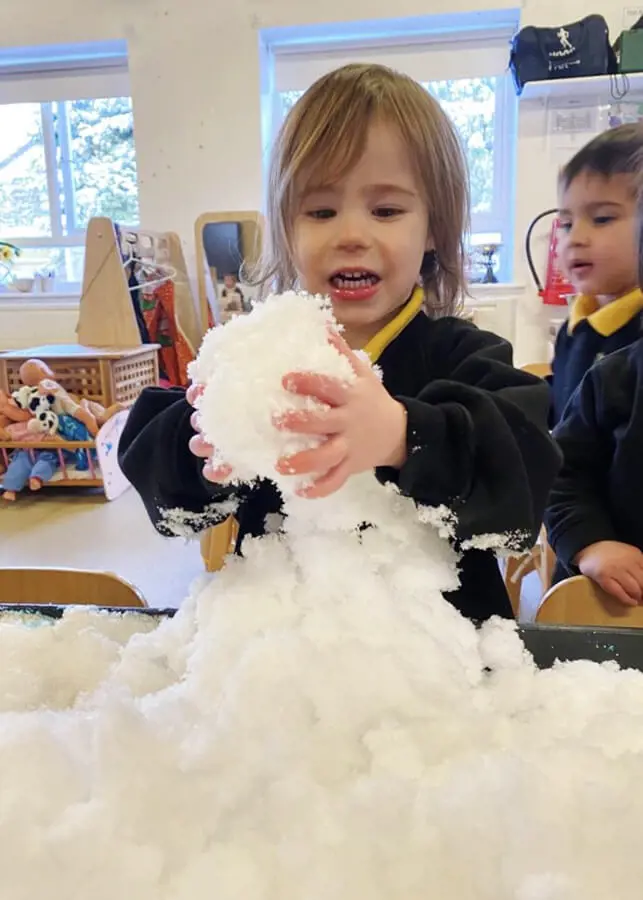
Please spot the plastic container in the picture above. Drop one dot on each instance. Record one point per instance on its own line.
(547, 643)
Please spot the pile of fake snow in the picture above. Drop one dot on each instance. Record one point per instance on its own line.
(317, 724)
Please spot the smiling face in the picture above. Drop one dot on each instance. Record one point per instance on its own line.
(598, 248)
(366, 174)
(361, 239)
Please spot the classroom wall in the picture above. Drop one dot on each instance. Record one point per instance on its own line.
(195, 77)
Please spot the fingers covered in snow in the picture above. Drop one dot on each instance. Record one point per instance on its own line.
(200, 447)
(361, 426)
(216, 472)
(193, 393)
(329, 391)
(358, 359)
(304, 421)
(329, 463)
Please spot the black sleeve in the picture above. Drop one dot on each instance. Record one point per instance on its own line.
(577, 514)
(154, 455)
(478, 440)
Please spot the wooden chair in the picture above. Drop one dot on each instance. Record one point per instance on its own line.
(66, 587)
(580, 601)
(217, 543)
(540, 558)
(541, 370)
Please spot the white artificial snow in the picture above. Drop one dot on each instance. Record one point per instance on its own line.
(441, 518)
(179, 522)
(242, 366)
(317, 723)
(510, 543)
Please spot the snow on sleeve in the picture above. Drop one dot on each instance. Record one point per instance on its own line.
(184, 523)
(511, 543)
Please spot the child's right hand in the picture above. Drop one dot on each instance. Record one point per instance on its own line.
(200, 447)
(616, 567)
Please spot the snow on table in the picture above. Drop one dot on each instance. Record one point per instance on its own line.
(317, 722)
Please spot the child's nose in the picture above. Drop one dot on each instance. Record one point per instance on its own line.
(578, 234)
(353, 231)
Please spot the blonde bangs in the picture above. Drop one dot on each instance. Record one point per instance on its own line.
(325, 135)
(328, 136)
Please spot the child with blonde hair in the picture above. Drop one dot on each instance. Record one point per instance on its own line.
(368, 203)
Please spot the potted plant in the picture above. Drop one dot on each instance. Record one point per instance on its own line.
(8, 254)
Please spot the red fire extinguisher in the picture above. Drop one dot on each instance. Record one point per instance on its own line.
(557, 290)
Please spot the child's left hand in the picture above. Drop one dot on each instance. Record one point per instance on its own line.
(364, 426)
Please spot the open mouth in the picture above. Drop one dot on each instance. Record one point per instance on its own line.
(581, 268)
(353, 280)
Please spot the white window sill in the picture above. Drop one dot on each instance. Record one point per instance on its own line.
(481, 294)
(12, 301)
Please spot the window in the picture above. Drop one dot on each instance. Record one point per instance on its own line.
(66, 154)
(471, 104)
(473, 88)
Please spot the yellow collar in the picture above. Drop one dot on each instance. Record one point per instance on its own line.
(605, 320)
(378, 344)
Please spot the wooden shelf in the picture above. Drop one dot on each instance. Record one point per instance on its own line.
(54, 352)
(577, 91)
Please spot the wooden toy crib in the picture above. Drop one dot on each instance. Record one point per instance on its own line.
(69, 474)
(106, 376)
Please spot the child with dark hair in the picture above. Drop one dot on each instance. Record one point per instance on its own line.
(595, 514)
(598, 254)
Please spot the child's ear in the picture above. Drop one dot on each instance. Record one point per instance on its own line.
(429, 263)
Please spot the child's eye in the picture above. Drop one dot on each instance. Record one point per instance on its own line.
(603, 220)
(565, 226)
(320, 213)
(386, 212)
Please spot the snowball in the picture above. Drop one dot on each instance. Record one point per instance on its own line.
(242, 365)
(315, 722)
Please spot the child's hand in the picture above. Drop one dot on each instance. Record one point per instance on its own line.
(200, 447)
(363, 427)
(616, 567)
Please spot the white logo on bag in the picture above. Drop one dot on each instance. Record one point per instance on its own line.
(565, 43)
(566, 49)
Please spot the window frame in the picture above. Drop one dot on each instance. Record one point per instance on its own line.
(500, 218)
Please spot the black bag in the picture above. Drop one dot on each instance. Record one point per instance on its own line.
(570, 51)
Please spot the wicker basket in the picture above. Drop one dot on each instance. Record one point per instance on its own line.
(103, 375)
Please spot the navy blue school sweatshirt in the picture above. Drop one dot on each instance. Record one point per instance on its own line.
(589, 334)
(598, 494)
(477, 426)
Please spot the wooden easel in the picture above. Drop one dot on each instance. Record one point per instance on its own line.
(106, 317)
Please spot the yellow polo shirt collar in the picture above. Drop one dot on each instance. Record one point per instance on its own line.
(378, 344)
(608, 319)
